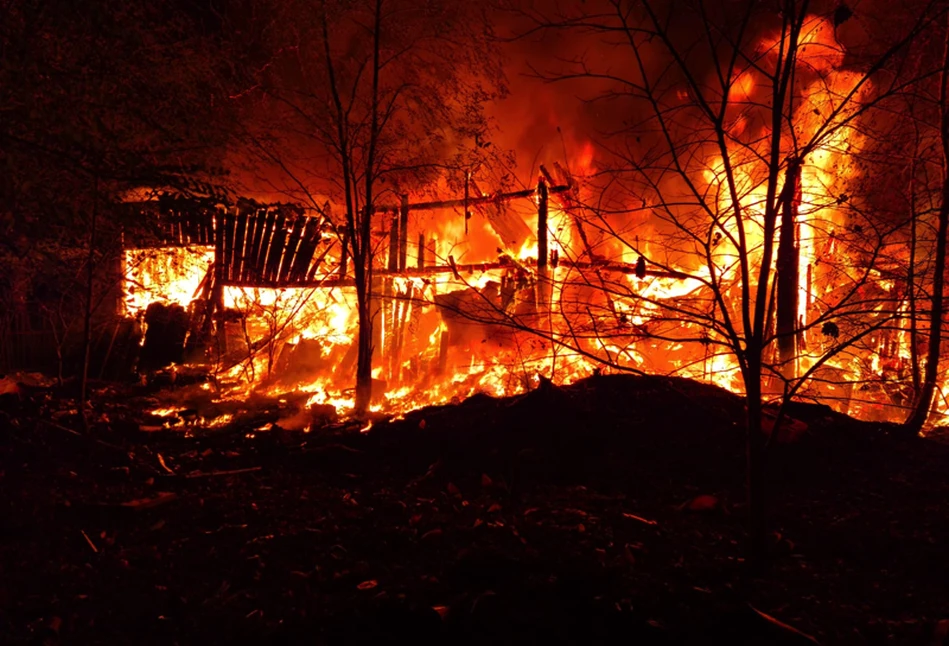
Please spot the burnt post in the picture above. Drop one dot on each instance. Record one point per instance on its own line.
(788, 278)
(217, 288)
(467, 197)
(383, 304)
(543, 286)
(343, 256)
(394, 241)
(403, 231)
(421, 251)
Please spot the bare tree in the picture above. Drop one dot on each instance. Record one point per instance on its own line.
(927, 388)
(365, 101)
(736, 163)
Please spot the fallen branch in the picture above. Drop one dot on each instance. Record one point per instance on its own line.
(164, 466)
(229, 472)
(89, 540)
(777, 623)
(639, 518)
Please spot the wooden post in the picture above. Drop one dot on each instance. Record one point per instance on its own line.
(394, 242)
(543, 286)
(467, 195)
(385, 307)
(375, 291)
(388, 306)
(400, 316)
(403, 231)
(431, 250)
(228, 244)
(443, 339)
(216, 306)
(421, 251)
(787, 269)
(343, 256)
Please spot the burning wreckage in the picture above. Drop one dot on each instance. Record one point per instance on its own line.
(485, 293)
(467, 296)
(490, 292)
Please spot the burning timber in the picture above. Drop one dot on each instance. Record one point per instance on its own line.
(270, 297)
(483, 293)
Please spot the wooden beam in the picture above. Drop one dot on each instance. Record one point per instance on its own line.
(459, 270)
(472, 201)
(394, 241)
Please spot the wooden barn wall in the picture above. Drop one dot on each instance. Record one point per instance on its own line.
(255, 246)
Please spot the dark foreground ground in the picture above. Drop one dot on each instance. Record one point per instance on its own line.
(561, 516)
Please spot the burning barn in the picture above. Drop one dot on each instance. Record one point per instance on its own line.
(509, 345)
(462, 292)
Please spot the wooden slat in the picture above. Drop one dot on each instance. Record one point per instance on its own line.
(290, 252)
(218, 226)
(277, 242)
(228, 245)
(239, 233)
(253, 224)
(187, 217)
(264, 246)
(250, 266)
(195, 226)
(187, 226)
(207, 227)
(194, 237)
(311, 237)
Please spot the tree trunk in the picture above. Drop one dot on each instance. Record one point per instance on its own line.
(911, 297)
(364, 352)
(87, 314)
(363, 256)
(755, 459)
(924, 400)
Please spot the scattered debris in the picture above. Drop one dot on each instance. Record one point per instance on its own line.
(550, 520)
